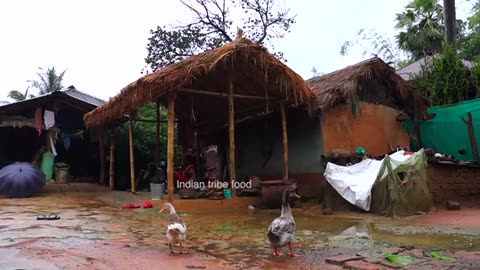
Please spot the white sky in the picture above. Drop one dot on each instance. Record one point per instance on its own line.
(102, 44)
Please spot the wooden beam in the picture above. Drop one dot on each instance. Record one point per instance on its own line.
(170, 146)
(284, 140)
(132, 157)
(471, 134)
(101, 148)
(157, 142)
(231, 132)
(151, 121)
(219, 94)
(112, 163)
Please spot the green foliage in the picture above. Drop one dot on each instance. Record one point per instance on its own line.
(447, 80)
(421, 32)
(144, 140)
(49, 81)
(19, 96)
(213, 26)
(438, 256)
(399, 259)
(422, 27)
(470, 44)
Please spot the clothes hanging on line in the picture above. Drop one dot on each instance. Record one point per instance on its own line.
(66, 140)
(49, 118)
(52, 138)
(38, 121)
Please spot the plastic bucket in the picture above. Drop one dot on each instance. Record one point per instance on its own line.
(227, 193)
(157, 191)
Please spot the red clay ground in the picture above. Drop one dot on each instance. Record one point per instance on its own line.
(98, 234)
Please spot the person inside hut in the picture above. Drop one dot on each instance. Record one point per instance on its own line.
(153, 175)
(189, 163)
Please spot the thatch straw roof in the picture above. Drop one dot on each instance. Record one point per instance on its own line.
(254, 71)
(372, 81)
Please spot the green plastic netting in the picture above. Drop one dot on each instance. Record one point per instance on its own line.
(401, 188)
(447, 133)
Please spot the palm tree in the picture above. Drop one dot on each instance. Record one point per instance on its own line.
(18, 96)
(422, 23)
(49, 81)
(450, 27)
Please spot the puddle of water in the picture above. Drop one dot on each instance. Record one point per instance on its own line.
(238, 237)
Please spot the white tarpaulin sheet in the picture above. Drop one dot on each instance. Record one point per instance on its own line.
(354, 183)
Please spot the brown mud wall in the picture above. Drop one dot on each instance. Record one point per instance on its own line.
(374, 128)
(450, 182)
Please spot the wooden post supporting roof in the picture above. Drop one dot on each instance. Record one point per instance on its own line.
(231, 132)
(112, 162)
(284, 140)
(157, 143)
(132, 156)
(101, 148)
(170, 146)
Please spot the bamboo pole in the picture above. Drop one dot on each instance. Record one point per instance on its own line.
(231, 133)
(132, 157)
(112, 163)
(220, 94)
(170, 146)
(157, 143)
(284, 140)
(101, 148)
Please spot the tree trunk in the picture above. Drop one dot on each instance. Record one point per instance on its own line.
(450, 21)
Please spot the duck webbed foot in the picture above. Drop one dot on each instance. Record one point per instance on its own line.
(276, 253)
(291, 251)
(181, 249)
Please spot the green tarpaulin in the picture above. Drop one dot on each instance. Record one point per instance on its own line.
(447, 133)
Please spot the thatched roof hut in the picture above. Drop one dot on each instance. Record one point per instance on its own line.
(201, 84)
(371, 81)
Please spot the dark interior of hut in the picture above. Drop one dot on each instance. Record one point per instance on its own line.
(73, 146)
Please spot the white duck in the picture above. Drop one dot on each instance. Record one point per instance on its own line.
(281, 231)
(176, 227)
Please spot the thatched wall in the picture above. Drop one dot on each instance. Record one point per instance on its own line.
(251, 68)
(371, 80)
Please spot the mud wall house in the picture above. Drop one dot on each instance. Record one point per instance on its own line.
(363, 105)
(51, 122)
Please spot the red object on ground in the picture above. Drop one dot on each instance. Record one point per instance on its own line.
(147, 204)
(131, 206)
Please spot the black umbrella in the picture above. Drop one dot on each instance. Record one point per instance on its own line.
(21, 180)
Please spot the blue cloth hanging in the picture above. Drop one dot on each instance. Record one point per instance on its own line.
(66, 140)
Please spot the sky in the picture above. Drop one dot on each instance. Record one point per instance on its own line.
(102, 44)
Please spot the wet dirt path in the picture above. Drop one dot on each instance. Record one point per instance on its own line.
(94, 235)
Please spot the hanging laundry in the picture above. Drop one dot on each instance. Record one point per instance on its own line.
(66, 140)
(49, 118)
(38, 121)
(52, 135)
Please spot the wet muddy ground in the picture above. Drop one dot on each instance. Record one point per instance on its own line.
(92, 234)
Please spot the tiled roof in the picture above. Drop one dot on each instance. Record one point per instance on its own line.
(71, 91)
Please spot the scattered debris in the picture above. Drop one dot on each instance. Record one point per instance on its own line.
(341, 259)
(327, 211)
(453, 205)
